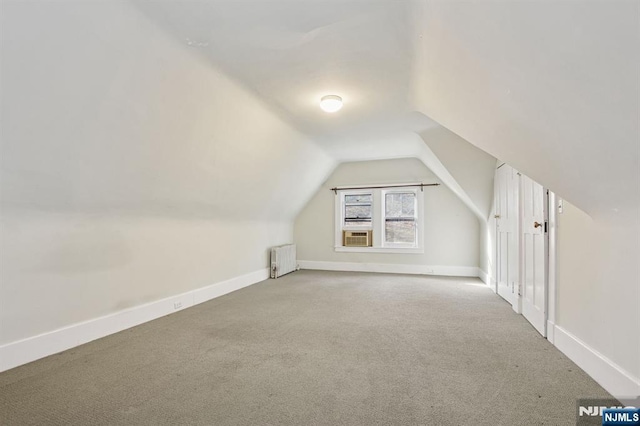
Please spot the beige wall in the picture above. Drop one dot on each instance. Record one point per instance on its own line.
(451, 230)
(61, 269)
(132, 169)
(598, 285)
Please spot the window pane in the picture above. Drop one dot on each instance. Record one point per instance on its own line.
(400, 204)
(357, 198)
(357, 214)
(400, 231)
(357, 209)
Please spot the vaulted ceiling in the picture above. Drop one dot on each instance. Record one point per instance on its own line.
(291, 53)
(553, 88)
(550, 87)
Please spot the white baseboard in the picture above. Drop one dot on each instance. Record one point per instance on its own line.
(388, 268)
(23, 351)
(551, 332)
(487, 279)
(618, 382)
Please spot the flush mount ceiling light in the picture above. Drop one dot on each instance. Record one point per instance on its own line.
(331, 103)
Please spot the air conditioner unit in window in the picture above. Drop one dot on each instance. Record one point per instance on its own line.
(357, 239)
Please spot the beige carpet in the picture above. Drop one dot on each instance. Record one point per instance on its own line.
(313, 348)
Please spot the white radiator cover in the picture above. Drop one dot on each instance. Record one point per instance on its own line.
(283, 260)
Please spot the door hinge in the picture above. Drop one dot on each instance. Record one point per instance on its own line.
(516, 288)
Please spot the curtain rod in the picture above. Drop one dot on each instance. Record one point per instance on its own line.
(421, 185)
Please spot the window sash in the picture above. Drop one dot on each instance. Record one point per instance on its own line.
(390, 218)
(348, 219)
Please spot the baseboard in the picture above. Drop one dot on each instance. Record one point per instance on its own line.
(618, 382)
(454, 271)
(23, 351)
(487, 279)
(551, 331)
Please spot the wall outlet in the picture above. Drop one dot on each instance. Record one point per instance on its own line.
(560, 206)
(177, 305)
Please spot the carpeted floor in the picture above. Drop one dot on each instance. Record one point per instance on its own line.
(324, 348)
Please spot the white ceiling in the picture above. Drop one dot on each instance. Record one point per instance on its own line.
(552, 88)
(291, 53)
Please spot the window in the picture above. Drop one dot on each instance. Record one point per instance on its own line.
(357, 209)
(400, 218)
(379, 220)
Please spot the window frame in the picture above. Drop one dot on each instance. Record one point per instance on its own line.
(383, 215)
(342, 213)
(378, 222)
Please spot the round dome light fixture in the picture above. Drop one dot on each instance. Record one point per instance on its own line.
(331, 103)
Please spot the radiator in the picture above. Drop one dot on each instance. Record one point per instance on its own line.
(283, 260)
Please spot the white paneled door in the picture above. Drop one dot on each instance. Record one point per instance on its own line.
(506, 214)
(532, 261)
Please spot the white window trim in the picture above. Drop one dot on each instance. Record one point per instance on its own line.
(377, 222)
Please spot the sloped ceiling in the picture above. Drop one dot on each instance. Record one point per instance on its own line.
(103, 112)
(549, 87)
(472, 168)
(291, 53)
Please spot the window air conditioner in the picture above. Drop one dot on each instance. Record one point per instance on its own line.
(356, 239)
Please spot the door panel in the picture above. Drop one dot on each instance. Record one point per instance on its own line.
(506, 208)
(533, 253)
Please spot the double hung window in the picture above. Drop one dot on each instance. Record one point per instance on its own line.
(388, 219)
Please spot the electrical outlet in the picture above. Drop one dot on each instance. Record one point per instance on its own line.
(560, 206)
(177, 305)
